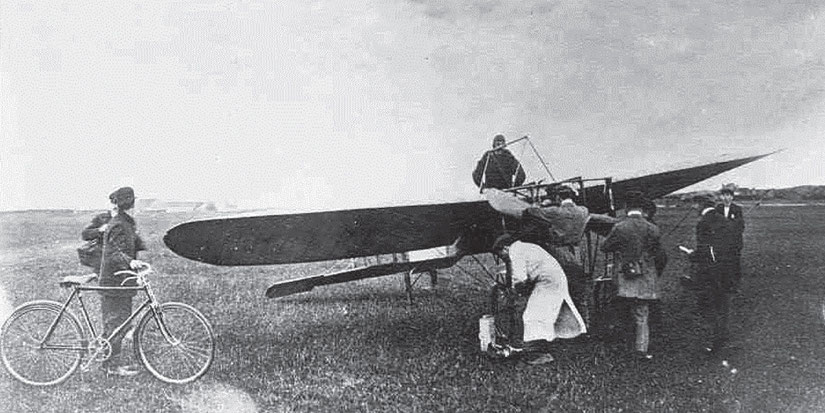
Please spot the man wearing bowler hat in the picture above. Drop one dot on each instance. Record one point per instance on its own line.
(735, 229)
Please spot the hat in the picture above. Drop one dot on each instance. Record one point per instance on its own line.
(123, 197)
(503, 241)
(649, 208)
(566, 191)
(634, 200)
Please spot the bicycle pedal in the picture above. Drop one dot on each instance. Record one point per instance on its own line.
(86, 366)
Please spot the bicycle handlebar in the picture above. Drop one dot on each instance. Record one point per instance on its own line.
(139, 275)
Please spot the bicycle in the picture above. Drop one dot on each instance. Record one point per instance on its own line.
(42, 342)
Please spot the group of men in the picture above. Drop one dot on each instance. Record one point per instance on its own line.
(542, 256)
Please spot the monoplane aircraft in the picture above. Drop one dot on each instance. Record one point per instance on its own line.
(468, 228)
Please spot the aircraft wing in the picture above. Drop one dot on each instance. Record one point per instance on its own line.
(329, 235)
(660, 184)
(300, 285)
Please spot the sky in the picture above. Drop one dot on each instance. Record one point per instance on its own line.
(310, 105)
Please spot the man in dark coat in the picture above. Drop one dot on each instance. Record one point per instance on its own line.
(640, 262)
(715, 260)
(498, 168)
(735, 220)
(120, 247)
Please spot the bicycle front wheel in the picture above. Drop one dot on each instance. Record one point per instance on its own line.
(29, 355)
(175, 343)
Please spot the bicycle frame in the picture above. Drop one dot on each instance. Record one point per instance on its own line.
(149, 303)
(44, 342)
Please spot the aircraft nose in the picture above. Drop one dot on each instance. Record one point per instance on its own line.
(188, 241)
(174, 241)
(167, 240)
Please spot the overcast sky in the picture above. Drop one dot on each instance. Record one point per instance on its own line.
(334, 104)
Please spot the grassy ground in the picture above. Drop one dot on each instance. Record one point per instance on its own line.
(362, 347)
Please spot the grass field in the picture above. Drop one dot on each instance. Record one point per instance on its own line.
(361, 347)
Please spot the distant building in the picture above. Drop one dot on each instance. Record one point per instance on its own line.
(157, 205)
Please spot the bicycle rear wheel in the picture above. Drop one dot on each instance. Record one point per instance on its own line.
(186, 353)
(25, 354)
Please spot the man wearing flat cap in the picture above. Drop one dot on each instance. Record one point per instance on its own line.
(498, 168)
(735, 221)
(121, 244)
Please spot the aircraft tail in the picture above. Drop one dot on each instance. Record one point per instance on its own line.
(660, 184)
(301, 285)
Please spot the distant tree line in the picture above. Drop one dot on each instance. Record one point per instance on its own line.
(797, 193)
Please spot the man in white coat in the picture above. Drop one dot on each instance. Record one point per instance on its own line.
(550, 312)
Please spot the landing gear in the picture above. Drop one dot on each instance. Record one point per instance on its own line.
(409, 281)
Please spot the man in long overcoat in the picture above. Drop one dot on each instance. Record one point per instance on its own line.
(716, 260)
(640, 261)
(735, 220)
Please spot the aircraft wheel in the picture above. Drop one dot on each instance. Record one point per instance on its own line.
(503, 309)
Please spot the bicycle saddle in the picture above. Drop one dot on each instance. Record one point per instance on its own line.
(72, 280)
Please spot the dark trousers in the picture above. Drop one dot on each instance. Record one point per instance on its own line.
(714, 305)
(115, 310)
(736, 270)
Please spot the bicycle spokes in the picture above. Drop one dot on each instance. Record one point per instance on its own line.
(38, 351)
(175, 344)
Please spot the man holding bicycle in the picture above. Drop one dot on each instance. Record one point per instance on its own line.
(42, 343)
(120, 247)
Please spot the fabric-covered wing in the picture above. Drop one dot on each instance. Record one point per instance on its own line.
(329, 235)
(660, 184)
(305, 284)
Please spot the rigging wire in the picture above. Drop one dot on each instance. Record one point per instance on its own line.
(484, 175)
(473, 276)
(693, 208)
(758, 202)
(489, 274)
(541, 159)
(675, 227)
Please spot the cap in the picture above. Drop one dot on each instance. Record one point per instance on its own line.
(503, 241)
(123, 197)
(634, 199)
